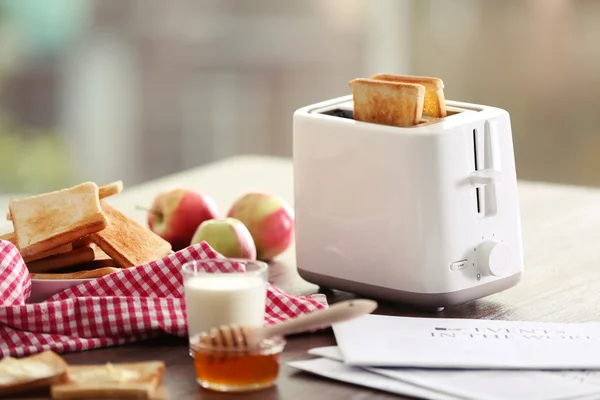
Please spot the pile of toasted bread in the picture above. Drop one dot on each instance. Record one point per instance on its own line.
(74, 234)
(49, 371)
(398, 100)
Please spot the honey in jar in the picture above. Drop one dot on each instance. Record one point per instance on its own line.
(236, 370)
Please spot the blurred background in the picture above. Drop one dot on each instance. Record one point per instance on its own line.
(137, 89)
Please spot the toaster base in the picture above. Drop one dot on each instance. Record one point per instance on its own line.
(426, 300)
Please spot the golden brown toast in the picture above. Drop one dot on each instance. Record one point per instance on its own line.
(110, 189)
(434, 104)
(387, 103)
(84, 274)
(49, 220)
(101, 260)
(128, 242)
(120, 380)
(61, 260)
(18, 375)
(82, 242)
(11, 237)
(104, 191)
(63, 249)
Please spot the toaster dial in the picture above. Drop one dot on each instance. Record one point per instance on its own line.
(494, 258)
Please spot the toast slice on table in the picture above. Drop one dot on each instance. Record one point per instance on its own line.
(386, 102)
(18, 375)
(104, 191)
(49, 220)
(87, 274)
(139, 380)
(62, 260)
(128, 242)
(434, 104)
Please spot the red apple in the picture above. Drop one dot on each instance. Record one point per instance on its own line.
(176, 214)
(228, 237)
(270, 221)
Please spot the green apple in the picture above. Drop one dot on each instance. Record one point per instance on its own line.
(227, 236)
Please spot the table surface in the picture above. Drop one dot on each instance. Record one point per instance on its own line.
(561, 283)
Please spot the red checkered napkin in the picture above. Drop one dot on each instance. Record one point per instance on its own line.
(123, 307)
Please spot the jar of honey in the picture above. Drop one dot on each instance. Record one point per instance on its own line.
(232, 369)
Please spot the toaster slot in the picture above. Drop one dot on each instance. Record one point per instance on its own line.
(340, 112)
(477, 163)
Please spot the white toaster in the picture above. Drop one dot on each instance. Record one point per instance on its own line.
(426, 215)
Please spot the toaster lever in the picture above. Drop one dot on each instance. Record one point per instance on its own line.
(484, 177)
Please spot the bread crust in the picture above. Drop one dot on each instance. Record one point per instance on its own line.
(87, 274)
(57, 261)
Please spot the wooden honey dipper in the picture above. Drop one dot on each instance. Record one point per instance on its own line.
(236, 337)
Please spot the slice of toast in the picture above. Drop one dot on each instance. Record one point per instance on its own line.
(110, 189)
(11, 237)
(434, 104)
(82, 242)
(104, 191)
(101, 260)
(128, 242)
(119, 380)
(87, 274)
(387, 103)
(57, 261)
(18, 375)
(50, 220)
(63, 249)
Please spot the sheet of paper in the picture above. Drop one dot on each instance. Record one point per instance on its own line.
(488, 384)
(358, 376)
(384, 341)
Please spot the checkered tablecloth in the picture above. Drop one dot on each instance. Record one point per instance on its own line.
(123, 307)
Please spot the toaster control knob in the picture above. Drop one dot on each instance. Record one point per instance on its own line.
(494, 257)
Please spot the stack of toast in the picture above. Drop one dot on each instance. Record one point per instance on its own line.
(398, 100)
(74, 234)
(49, 371)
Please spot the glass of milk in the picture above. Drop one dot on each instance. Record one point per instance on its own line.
(222, 298)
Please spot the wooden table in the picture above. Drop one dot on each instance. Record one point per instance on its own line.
(561, 233)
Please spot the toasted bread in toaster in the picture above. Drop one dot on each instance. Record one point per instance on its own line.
(119, 380)
(104, 191)
(84, 274)
(18, 375)
(49, 220)
(386, 102)
(128, 242)
(62, 260)
(434, 104)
